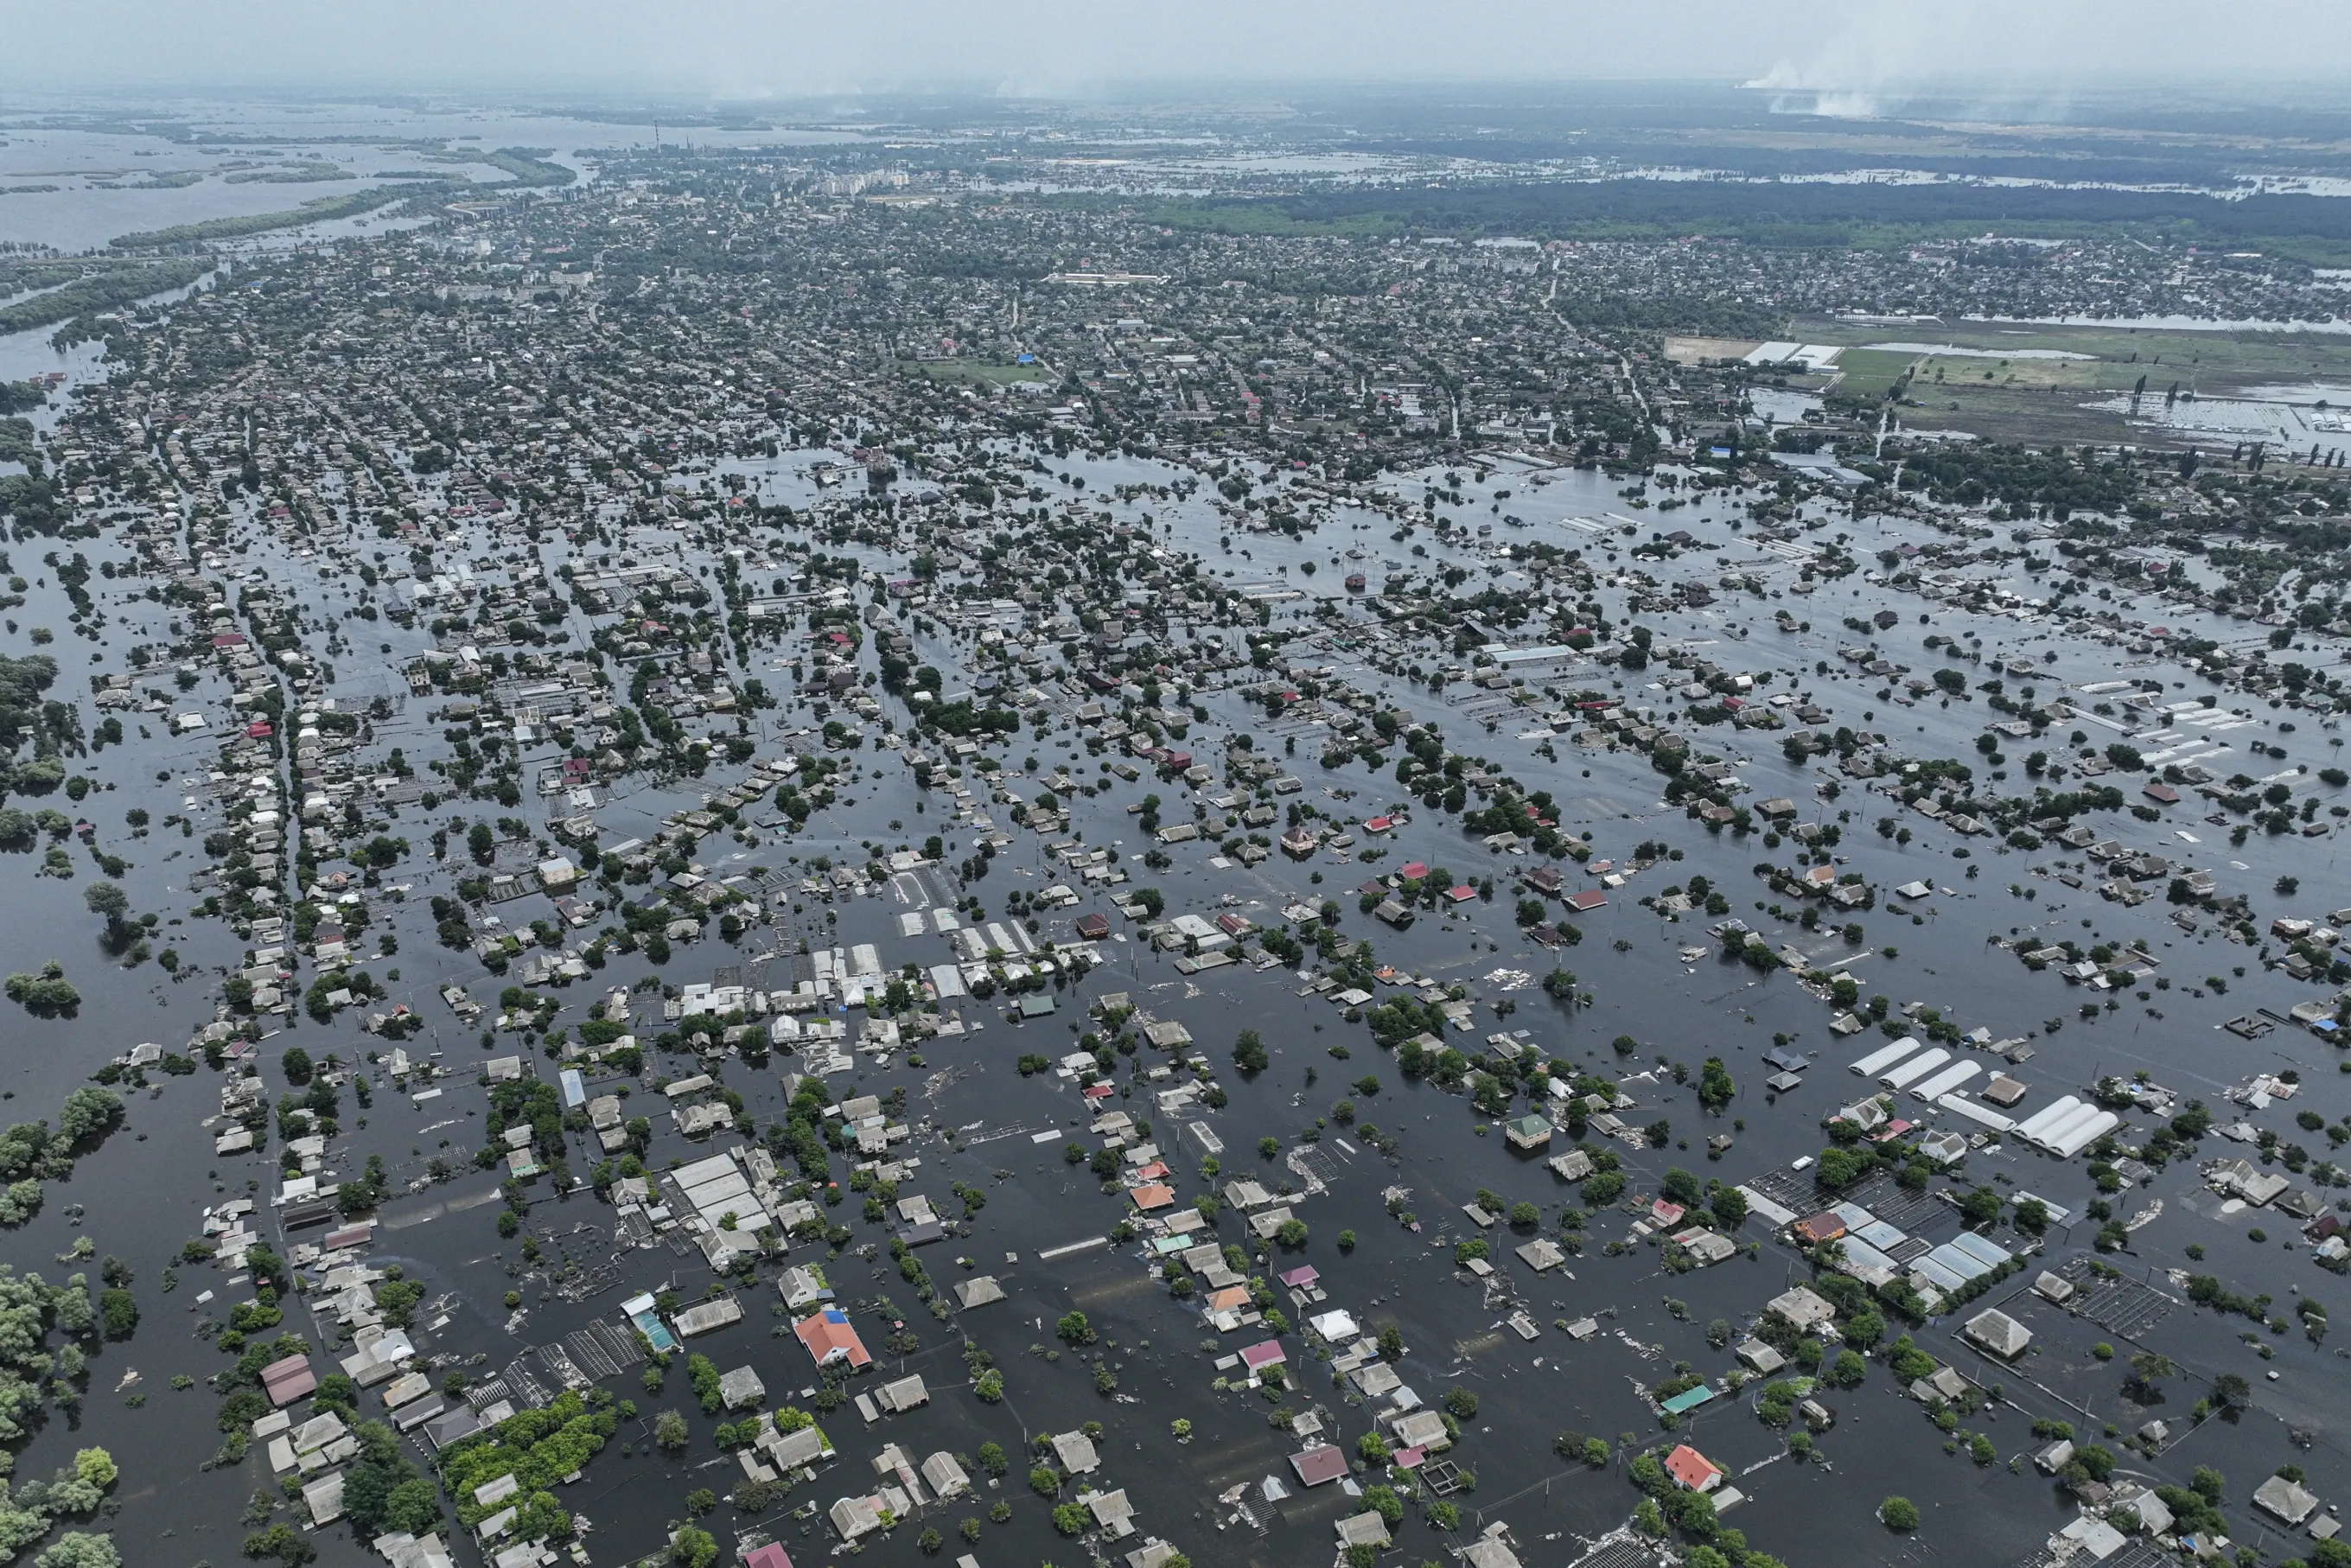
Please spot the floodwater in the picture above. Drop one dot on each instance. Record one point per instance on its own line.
(81, 151)
(141, 1196)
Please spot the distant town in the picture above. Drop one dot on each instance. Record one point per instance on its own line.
(963, 843)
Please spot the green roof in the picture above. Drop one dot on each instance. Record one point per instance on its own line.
(1689, 1399)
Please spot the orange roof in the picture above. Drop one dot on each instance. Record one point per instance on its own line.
(1814, 1230)
(1232, 1298)
(1692, 1468)
(828, 1335)
(1153, 1195)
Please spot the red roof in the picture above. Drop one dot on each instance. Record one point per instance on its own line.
(1378, 824)
(1667, 1213)
(1265, 1352)
(768, 1556)
(1692, 1468)
(1408, 1458)
(1316, 1465)
(289, 1379)
(1589, 899)
(1153, 1195)
(828, 1335)
(1462, 893)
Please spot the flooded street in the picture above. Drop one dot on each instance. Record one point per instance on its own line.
(554, 827)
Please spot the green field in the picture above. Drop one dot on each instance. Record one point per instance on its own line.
(2040, 400)
(976, 372)
(1868, 372)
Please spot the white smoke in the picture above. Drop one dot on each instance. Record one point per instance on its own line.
(2016, 60)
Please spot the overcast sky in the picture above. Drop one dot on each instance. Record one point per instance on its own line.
(752, 49)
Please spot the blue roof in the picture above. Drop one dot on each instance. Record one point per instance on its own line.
(835, 1315)
(1958, 1260)
(1989, 1253)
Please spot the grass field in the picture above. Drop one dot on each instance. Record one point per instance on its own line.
(974, 372)
(1995, 393)
(1692, 351)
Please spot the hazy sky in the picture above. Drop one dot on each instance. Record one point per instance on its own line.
(751, 48)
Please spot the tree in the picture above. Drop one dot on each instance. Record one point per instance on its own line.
(1840, 1168)
(1044, 1480)
(1715, 1088)
(1249, 1053)
(693, 1547)
(1072, 1327)
(2147, 1370)
(413, 1506)
(79, 1548)
(105, 898)
(282, 1541)
(45, 994)
(95, 1466)
(930, 1540)
(990, 1387)
(670, 1431)
(1898, 1513)
(1071, 1518)
(296, 1064)
(118, 1312)
(1391, 1344)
